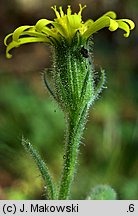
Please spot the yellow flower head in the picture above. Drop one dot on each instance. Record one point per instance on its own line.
(65, 27)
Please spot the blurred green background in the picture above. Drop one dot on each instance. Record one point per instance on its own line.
(109, 149)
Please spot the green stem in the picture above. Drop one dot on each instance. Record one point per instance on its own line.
(74, 131)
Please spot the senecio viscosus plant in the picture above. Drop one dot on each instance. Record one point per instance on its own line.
(74, 86)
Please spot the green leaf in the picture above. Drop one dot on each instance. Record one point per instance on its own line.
(42, 168)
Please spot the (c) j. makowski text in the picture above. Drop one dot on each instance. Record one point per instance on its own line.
(50, 208)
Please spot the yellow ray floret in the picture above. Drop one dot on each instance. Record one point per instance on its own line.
(65, 26)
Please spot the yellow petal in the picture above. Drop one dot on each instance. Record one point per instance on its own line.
(69, 10)
(61, 12)
(60, 29)
(130, 22)
(74, 21)
(19, 31)
(42, 23)
(125, 27)
(22, 41)
(41, 26)
(6, 38)
(113, 25)
(12, 45)
(88, 23)
(50, 32)
(81, 9)
(33, 33)
(102, 22)
(110, 14)
(56, 12)
(108, 20)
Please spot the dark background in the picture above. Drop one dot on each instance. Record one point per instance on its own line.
(109, 150)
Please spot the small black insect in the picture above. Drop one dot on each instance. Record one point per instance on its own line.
(84, 52)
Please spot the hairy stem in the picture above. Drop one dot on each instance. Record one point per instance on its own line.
(74, 132)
